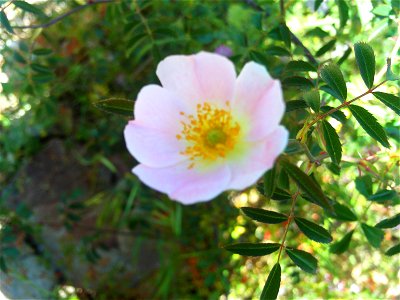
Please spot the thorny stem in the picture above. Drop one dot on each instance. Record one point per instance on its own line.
(344, 104)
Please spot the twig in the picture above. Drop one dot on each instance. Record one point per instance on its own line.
(68, 13)
(282, 9)
(307, 52)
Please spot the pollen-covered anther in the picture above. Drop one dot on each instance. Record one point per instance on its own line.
(210, 134)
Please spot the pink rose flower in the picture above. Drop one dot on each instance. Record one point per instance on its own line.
(205, 130)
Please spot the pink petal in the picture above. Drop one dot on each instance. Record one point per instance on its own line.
(153, 147)
(185, 185)
(259, 97)
(159, 108)
(198, 78)
(260, 158)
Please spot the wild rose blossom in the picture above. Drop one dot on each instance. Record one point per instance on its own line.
(205, 130)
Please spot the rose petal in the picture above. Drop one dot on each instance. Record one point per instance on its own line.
(198, 78)
(185, 185)
(159, 108)
(260, 158)
(153, 147)
(259, 98)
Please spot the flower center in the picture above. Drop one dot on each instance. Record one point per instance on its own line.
(209, 134)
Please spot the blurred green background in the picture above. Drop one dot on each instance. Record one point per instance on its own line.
(76, 224)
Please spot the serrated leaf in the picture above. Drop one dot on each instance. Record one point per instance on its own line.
(333, 77)
(5, 23)
(330, 91)
(252, 249)
(298, 82)
(390, 222)
(365, 58)
(264, 216)
(342, 245)
(343, 12)
(313, 231)
(338, 115)
(394, 250)
(42, 51)
(272, 285)
(391, 101)
(29, 8)
(370, 124)
(285, 33)
(306, 184)
(303, 260)
(364, 185)
(325, 48)
(382, 195)
(313, 100)
(278, 51)
(281, 195)
(343, 213)
(333, 145)
(374, 235)
(295, 104)
(269, 182)
(299, 66)
(116, 106)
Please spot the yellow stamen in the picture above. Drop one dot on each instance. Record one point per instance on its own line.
(211, 134)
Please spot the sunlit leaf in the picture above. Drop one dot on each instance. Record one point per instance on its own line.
(252, 249)
(271, 287)
(364, 185)
(374, 235)
(332, 75)
(313, 100)
(365, 58)
(333, 145)
(299, 66)
(391, 101)
(313, 231)
(370, 124)
(264, 216)
(295, 105)
(390, 222)
(303, 260)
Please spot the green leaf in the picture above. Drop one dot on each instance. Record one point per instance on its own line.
(345, 55)
(313, 100)
(43, 78)
(364, 185)
(391, 101)
(343, 12)
(41, 68)
(306, 184)
(382, 10)
(333, 77)
(303, 260)
(5, 23)
(325, 48)
(374, 235)
(298, 82)
(285, 33)
(338, 115)
(313, 231)
(29, 8)
(264, 216)
(251, 249)
(394, 250)
(271, 287)
(281, 195)
(343, 213)
(370, 124)
(278, 51)
(342, 245)
(295, 104)
(116, 106)
(390, 222)
(333, 145)
(299, 66)
(269, 182)
(261, 58)
(42, 51)
(382, 195)
(317, 4)
(331, 92)
(365, 58)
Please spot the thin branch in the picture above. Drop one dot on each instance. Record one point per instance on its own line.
(307, 52)
(282, 9)
(68, 13)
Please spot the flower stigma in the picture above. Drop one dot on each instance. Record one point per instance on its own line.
(210, 134)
